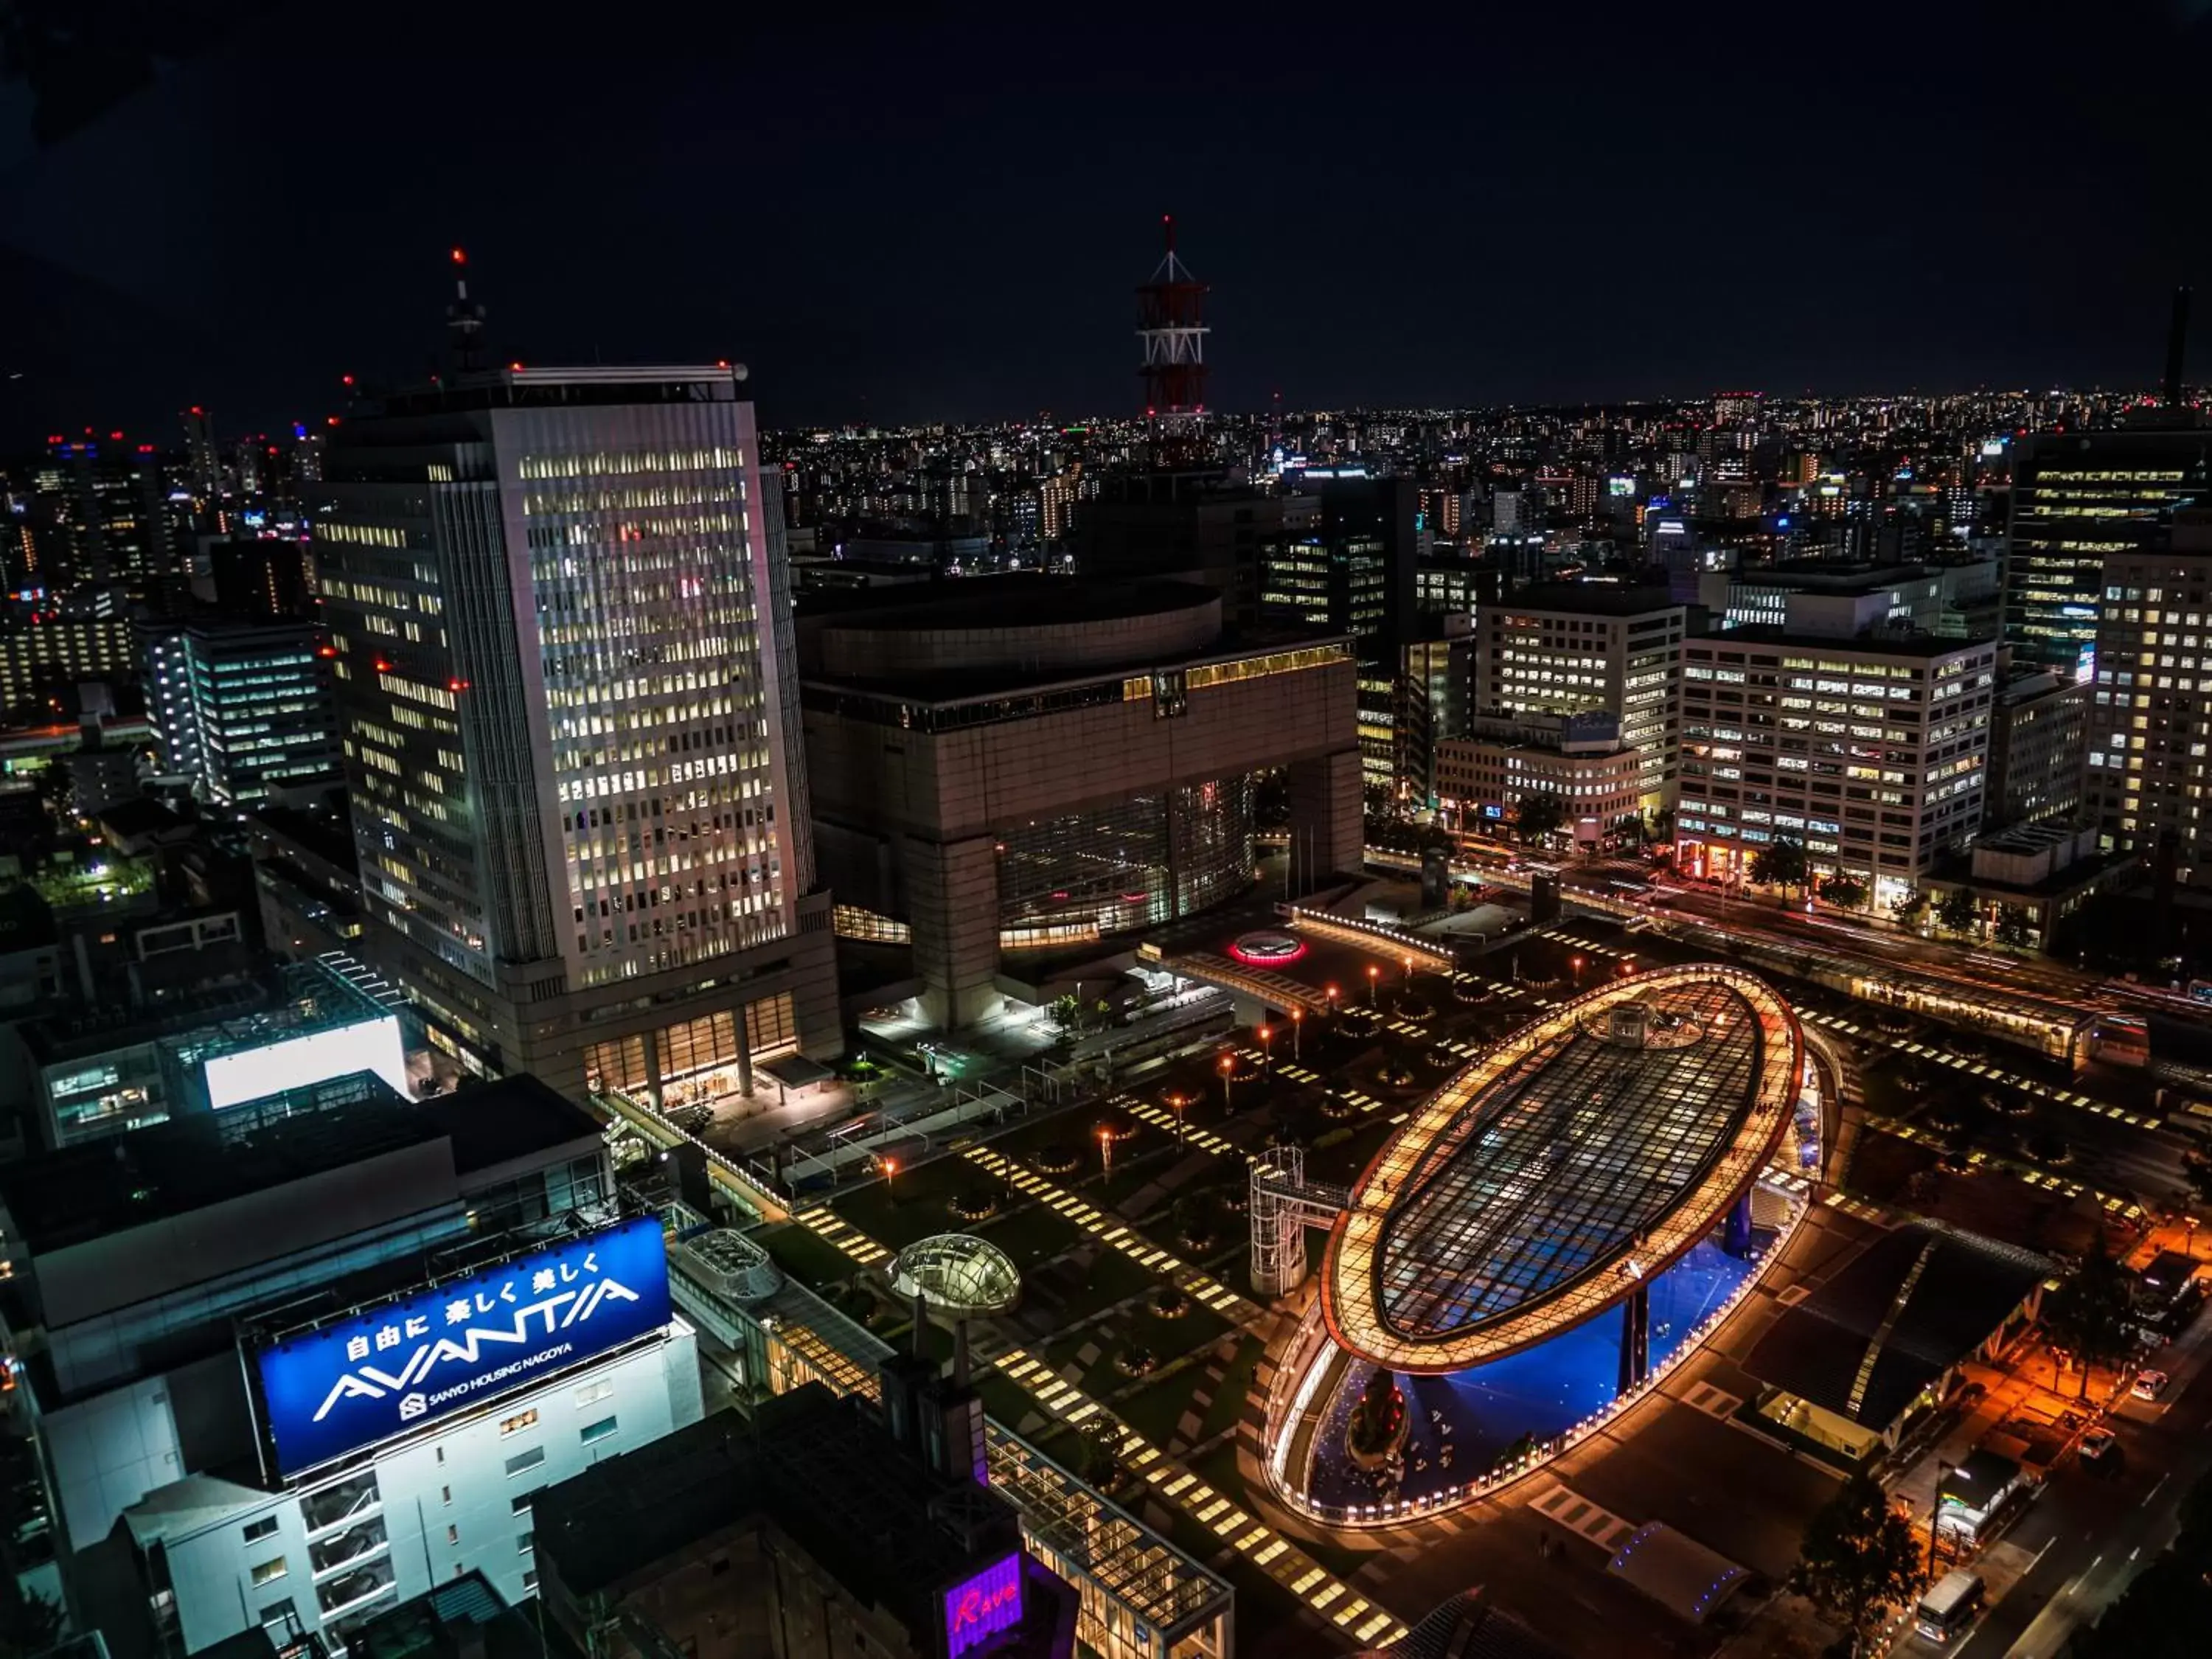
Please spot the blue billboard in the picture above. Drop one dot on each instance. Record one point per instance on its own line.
(366, 1378)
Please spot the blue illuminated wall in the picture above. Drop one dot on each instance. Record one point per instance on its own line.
(362, 1380)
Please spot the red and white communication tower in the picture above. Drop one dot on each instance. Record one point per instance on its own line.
(1171, 327)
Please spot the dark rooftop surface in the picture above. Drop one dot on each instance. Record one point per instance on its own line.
(509, 1117)
(1589, 599)
(1013, 601)
(827, 1473)
(324, 835)
(204, 1158)
(1883, 645)
(463, 1616)
(1967, 1286)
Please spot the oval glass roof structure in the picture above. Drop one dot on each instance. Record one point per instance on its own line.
(1586, 1152)
(958, 1274)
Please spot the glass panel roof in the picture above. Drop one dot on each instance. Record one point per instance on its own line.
(1559, 1166)
(1616, 1127)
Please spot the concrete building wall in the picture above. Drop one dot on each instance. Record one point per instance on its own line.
(447, 1502)
(938, 801)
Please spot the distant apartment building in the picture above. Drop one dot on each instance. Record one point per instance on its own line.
(42, 660)
(1573, 649)
(1871, 753)
(245, 710)
(2038, 747)
(2148, 717)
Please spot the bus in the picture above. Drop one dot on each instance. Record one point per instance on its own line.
(1950, 1608)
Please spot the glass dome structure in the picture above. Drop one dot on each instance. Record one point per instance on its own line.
(957, 1274)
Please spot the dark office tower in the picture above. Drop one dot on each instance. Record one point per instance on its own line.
(563, 671)
(1352, 572)
(202, 464)
(1184, 526)
(2078, 498)
(252, 576)
(100, 516)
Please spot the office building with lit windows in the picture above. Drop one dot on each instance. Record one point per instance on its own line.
(42, 663)
(244, 709)
(2039, 738)
(2079, 498)
(208, 1322)
(559, 610)
(1482, 779)
(1573, 649)
(1871, 753)
(1037, 764)
(2147, 777)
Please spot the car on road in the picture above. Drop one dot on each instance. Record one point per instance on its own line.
(2149, 1384)
(2099, 1445)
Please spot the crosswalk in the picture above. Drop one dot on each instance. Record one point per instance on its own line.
(1109, 1229)
(2117, 1204)
(1980, 1068)
(833, 1229)
(1560, 935)
(1160, 1117)
(1586, 1520)
(1173, 1483)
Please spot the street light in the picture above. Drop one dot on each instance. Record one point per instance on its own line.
(1373, 974)
(1176, 1103)
(890, 1168)
(1268, 1048)
(1330, 992)
(1409, 973)
(1578, 973)
(1105, 1153)
(1298, 1025)
(1227, 1067)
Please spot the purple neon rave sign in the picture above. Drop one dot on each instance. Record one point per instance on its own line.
(979, 1608)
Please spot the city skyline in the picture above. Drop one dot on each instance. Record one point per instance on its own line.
(912, 223)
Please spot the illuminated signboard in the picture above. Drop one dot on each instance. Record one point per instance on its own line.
(372, 1045)
(979, 1608)
(360, 1380)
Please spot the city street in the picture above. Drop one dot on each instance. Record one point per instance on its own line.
(2089, 1532)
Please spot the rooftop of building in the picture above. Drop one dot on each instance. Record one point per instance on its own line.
(992, 636)
(1905, 1309)
(1587, 599)
(461, 1619)
(190, 1163)
(823, 1468)
(279, 1001)
(1011, 601)
(327, 835)
(1925, 646)
(1818, 576)
(517, 386)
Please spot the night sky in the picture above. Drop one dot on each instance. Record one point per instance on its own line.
(943, 217)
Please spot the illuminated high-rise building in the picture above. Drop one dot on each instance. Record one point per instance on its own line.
(560, 606)
(2077, 499)
(2149, 707)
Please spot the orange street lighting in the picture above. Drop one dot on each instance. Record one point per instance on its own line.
(1298, 1027)
(1105, 1150)
(1228, 1102)
(1267, 1046)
